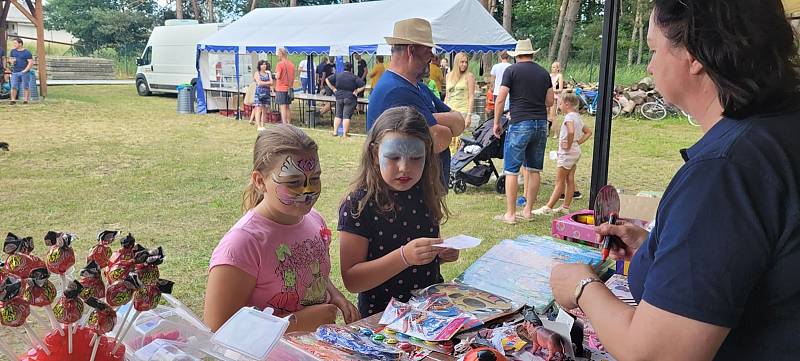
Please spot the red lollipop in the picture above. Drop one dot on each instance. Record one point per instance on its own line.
(14, 311)
(101, 252)
(20, 262)
(148, 297)
(147, 263)
(61, 256)
(13, 308)
(103, 318)
(144, 299)
(92, 282)
(69, 308)
(121, 292)
(125, 253)
(39, 291)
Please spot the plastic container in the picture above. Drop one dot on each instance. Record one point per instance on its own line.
(185, 99)
(250, 334)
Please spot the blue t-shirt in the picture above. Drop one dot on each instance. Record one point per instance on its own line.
(394, 91)
(725, 249)
(22, 59)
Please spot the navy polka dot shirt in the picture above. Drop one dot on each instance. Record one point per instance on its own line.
(386, 232)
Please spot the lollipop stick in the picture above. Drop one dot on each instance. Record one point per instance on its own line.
(31, 333)
(69, 338)
(118, 341)
(63, 281)
(53, 323)
(7, 350)
(96, 341)
(122, 323)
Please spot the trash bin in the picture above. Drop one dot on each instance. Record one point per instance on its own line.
(33, 86)
(185, 99)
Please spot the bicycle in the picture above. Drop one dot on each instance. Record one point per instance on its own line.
(589, 100)
(659, 109)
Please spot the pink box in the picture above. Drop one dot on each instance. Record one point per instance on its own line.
(569, 228)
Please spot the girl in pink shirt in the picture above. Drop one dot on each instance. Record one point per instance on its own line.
(277, 254)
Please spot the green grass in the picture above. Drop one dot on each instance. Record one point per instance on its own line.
(97, 157)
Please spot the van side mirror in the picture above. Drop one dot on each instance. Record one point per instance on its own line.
(140, 62)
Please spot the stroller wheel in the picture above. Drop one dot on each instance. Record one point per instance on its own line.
(459, 186)
(451, 181)
(500, 185)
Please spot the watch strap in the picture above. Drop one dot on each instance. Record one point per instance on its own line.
(582, 285)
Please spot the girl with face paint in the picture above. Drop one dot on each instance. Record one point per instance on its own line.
(389, 221)
(277, 255)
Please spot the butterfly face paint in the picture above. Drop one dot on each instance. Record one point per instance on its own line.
(298, 181)
(402, 159)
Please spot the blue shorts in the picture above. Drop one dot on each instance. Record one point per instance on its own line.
(525, 143)
(20, 79)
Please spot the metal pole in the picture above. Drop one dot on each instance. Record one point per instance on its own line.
(608, 59)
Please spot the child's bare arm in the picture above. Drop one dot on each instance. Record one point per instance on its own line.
(570, 133)
(311, 317)
(359, 274)
(227, 290)
(587, 133)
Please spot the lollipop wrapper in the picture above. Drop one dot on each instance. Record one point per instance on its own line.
(59, 260)
(148, 274)
(101, 254)
(14, 313)
(19, 264)
(118, 271)
(68, 310)
(92, 287)
(118, 294)
(40, 296)
(102, 321)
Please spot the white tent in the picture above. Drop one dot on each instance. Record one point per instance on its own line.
(343, 29)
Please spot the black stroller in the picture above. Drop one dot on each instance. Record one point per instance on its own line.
(478, 150)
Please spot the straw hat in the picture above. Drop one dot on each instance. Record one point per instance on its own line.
(411, 31)
(524, 47)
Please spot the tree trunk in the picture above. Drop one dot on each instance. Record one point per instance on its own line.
(492, 6)
(634, 30)
(569, 30)
(641, 39)
(508, 9)
(210, 6)
(293, 3)
(253, 4)
(179, 9)
(345, 1)
(551, 53)
(196, 10)
(486, 58)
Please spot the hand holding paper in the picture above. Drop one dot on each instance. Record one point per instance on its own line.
(459, 242)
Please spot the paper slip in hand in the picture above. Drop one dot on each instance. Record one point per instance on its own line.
(459, 242)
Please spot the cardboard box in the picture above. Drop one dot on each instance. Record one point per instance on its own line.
(641, 207)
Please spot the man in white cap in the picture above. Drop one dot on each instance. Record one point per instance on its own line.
(412, 49)
(531, 92)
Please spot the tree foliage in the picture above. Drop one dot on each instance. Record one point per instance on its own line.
(123, 25)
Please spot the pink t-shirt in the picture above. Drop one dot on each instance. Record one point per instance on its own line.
(291, 264)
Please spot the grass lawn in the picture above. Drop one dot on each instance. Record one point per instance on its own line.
(101, 157)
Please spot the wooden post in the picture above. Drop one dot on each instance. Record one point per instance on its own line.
(179, 9)
(40, 48)
(4, 8)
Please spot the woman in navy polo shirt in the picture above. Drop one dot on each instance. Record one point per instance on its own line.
(719, 276)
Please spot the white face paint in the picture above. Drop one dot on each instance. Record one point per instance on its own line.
(298, 181)
(402, 160)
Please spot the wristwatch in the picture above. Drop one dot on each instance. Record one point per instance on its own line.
(581, 285)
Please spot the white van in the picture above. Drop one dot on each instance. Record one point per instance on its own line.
(168, 59)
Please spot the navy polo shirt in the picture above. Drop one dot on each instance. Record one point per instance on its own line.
(394, 91)
(725, 249)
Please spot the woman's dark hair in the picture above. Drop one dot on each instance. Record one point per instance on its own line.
(262, 62)
(407, 121)
(348, 66)
(747, 47)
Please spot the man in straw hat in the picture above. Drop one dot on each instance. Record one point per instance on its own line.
(412, 49)
(530, 89)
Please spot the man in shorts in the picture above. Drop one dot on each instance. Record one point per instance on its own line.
(21, 64)
(530, 89)
(284, 74)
